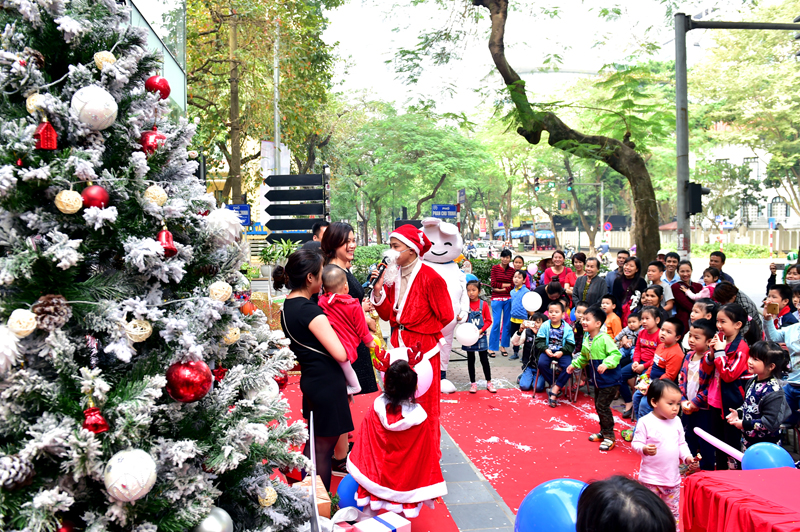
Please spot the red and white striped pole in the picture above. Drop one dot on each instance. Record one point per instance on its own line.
(770, 241)
(721, 235)
(458, 217)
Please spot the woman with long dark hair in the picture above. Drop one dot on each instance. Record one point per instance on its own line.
(318, 351)
(628, 287)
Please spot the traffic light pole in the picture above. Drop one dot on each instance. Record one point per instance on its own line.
(684, 24)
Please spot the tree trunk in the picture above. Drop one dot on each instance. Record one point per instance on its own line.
(584, 222)
(619, 155)
(376, 208)
(429, 197)
(509, 221)
(235, 168)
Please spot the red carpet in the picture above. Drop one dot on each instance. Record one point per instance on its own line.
(518, 441)
(436, 520)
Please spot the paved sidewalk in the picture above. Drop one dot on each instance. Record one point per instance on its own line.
(472, 501)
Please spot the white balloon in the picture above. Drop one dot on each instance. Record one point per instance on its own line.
(129, 475)
(95, 107)
(448, 387)
(424, 377)
(532, 301)
(468, 334)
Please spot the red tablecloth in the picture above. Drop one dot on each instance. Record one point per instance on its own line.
(766, 500)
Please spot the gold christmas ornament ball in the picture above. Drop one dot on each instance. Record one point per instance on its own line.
(22, 322)
(69, 201)
(220, 291)
(232, 336)
(269, 498)
(138, 330)
(156, 194)
(34, 103)
(101, 59)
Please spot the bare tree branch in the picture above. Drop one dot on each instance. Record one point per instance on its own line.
(429, 196)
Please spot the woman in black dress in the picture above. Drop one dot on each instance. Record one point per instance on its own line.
(339, 245)
(318, 350)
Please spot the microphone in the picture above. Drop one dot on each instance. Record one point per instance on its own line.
(371, 285)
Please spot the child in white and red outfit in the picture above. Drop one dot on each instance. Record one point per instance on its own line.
(480, 315)
(347, 319)
(395, 460)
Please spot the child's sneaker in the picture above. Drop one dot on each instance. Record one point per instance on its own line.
(490, 387)
(626, 434)
(607, 445)
(473, 388)
(596, 437)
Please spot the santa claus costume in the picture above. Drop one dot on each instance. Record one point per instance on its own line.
(417, 305)
(395, 460)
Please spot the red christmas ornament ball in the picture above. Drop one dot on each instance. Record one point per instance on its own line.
(66, 526)
(152, 140)
(189, 381)
(282, 379)
(95, 196)
(157, 83)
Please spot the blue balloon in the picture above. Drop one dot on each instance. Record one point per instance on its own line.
(766, 455)
(472, 277)
(552, 506)
(347, 492)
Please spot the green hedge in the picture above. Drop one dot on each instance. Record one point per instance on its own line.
(364, 257)
(732, 251)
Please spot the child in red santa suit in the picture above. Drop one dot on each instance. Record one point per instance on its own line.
(394, 459)
(416, 303)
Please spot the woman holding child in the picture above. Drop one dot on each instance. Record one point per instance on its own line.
(319, 352)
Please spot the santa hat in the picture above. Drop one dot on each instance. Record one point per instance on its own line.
(413, 238)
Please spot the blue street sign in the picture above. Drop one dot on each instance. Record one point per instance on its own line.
(607, 226)
(771, 223)
(727, 225)
(244, 213)
(718, 218)
(462, 196)
(444, 211)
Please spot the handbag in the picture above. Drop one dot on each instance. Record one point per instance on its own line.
(285, 328)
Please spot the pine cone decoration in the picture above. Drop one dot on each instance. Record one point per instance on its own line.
(52, 312)
(207, 270)
(15, 472)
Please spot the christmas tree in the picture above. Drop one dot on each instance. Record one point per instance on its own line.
(118, 279)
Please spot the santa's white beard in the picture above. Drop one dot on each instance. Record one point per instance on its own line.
(392, 272)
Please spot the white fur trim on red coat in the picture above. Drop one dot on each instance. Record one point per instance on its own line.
(413, 415)
(412, 496)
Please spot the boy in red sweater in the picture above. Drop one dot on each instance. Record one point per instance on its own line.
(347, 319)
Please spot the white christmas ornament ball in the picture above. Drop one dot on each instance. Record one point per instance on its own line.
(95, 107)
(270, 390)
(532, 301)
(22, 322)
(217, 521)
(468, 334)
(130, 475)
(224, 225)
(220, 291)
(156, 194)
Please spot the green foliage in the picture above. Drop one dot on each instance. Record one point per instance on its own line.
(732, 251)
(364, 257)
(732, 188)
(482, 269)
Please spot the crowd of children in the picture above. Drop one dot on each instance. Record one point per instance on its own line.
(672, 378)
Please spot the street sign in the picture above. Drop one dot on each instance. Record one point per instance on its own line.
(303, 180)
(444, 211)
(462, 196)
(772, 223)
(258, 229)
(296, 209)
(483, 226)
(718, 219)
(727, 225)
(244, 213)
(308, 194)
(607, 226)
(292, 224)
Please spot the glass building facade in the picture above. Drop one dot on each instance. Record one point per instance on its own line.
(165, 22)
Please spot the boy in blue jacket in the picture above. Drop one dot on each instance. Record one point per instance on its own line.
(555, 341)
(601, 357)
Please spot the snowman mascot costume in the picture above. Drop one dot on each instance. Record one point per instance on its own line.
(446, 243)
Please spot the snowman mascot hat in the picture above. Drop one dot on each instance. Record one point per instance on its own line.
(446, 244)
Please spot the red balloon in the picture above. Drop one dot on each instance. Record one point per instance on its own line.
(157, 83)
(282, 379)
(95, 196)
(94, 420)
(189, 381)
(165, 239)
(152, 140)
